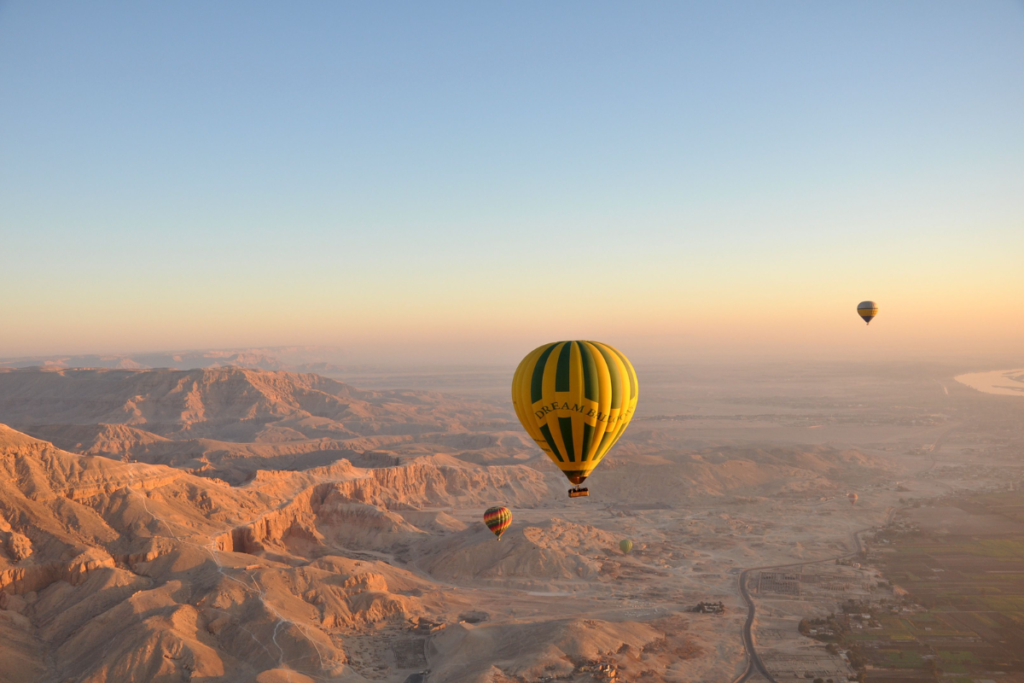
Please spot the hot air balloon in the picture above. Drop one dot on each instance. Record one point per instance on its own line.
(625, 545)
(853, 498)
(575, 399)
(867, 310)
(498, 519)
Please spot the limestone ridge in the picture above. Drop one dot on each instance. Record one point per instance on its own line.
(133, 570)
(230, 422)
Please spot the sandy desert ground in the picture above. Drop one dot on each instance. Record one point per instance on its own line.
(237, 524)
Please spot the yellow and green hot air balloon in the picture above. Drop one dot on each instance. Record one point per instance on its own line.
(625, 545)
(498, 519)
(575, 399)
(867, 310)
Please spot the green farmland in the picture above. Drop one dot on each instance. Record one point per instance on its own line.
(961, 564)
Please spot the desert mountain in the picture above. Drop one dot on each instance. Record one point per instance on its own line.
(297, 359)
(122, 570)
(229, 422)
(231, 404)
(230, 524)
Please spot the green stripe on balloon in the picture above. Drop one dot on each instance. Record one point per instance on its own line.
(613, 372)
(590, 377)
(537, 381)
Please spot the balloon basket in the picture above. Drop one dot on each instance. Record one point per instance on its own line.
(578, 492)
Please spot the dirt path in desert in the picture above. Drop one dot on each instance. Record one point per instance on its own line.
(754, 663)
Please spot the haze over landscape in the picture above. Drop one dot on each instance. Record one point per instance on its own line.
(267, 272)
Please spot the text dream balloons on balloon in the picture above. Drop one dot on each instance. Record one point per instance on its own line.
(867, 310)
(575, 399)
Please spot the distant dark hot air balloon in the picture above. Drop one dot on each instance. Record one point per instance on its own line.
(625, 545)
(867, 310)
(498, 519)
(575, 399)
(853, 498)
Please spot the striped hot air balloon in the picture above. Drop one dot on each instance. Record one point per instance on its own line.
(575, 399)
(867, 310)
(498, 519)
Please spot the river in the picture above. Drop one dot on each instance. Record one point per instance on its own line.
(1002, 382)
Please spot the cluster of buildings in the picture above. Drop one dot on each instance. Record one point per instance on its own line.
(708, 608)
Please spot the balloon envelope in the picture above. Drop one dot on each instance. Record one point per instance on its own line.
(853, 498)
(625, 545)
(498, 519)
(575, 399)
(867, 310)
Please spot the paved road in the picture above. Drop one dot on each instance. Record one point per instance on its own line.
(754, 663)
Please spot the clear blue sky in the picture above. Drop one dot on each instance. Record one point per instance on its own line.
(189, 174)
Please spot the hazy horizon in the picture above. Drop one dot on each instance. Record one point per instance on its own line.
(351, 362)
